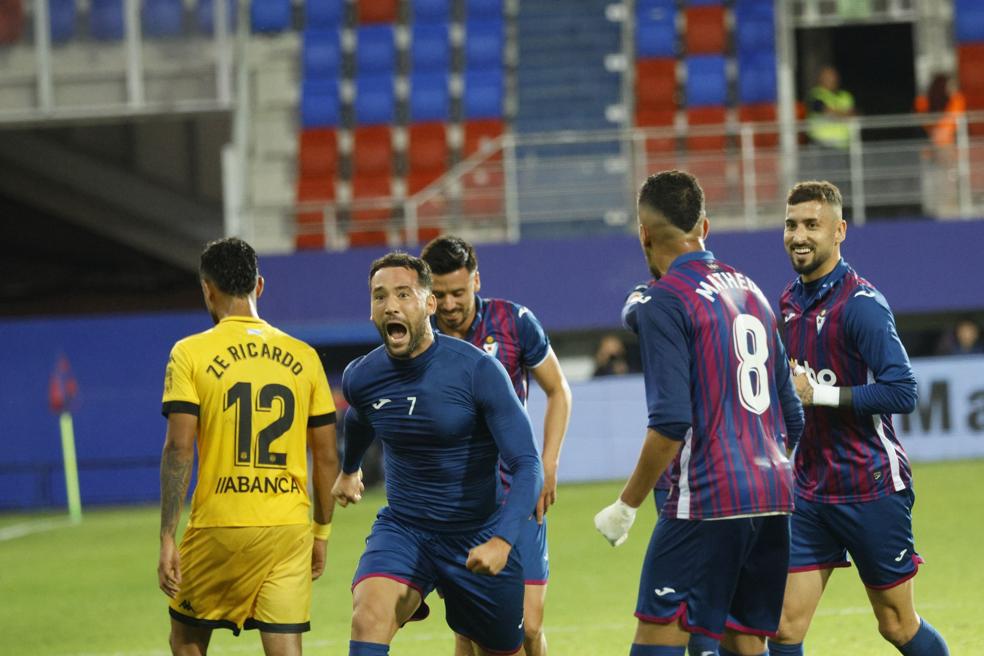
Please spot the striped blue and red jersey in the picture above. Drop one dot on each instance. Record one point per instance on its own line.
(841, 329)
(717, 379)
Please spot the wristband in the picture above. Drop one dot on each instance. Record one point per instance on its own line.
(827, 395)
(321, 531)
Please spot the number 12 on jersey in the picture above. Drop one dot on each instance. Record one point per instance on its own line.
(240, 398)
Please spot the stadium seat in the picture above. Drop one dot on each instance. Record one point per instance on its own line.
(374, 99)
(430, 11)
(270, 15)
(205, 15)
(106, 20)
(760, 113)
(970, 59)
(656, 84)
(322, 55)
(11, 21)
(706, 116)
(706, 33)
(368, 224)
(375, 50)
(377, 11)
(755, 26)
(713, 175)
(372, 153)
(657, 118)
(656, 32)
(325, 14)
(429, 97)
(311, 223)
(483, 94)
(430, 48)
(707, 83)
(318, 153)
(479, 132)
(163, 18)
(968, 21)
(427, 147)
(62, 15)
(757, 78)
(483, 45)
(482, 193)
(483, 9)
(319, 103)
(704, 3)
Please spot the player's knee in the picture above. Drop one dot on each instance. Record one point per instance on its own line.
(370, 617)
(792, 628)
(894, 630)
(533, 631)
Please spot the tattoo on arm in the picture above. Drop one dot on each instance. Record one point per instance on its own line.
(175, 476)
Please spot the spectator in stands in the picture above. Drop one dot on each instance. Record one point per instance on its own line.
(940, 188)
(964, 339)
(828, 109)
(611, 358)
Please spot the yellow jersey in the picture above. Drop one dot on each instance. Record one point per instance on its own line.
(255, 391)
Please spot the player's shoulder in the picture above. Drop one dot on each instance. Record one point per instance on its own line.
(196, 342)
(505, 306)
(860, 292)
(364, 368)
(453, 347)
(295, 345)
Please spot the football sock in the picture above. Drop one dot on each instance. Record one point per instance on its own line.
(357, 648)
(725, 652)
(926, 642)
(656, 650)
(701, 644)
(775, 649)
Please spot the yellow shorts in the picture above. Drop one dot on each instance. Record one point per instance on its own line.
(254, 577)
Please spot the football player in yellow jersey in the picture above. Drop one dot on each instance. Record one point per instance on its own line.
(255, 400)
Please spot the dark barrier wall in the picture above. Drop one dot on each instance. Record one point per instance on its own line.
(323, 297)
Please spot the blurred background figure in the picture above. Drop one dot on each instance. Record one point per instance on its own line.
(611, 358)
(940, 158)
(828, 108)
(963, 339)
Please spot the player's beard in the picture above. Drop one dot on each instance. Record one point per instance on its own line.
(415, 334)
(809, 264)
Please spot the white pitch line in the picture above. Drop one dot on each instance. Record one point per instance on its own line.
(15, 531)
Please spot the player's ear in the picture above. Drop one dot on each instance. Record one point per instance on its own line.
(840, 232)
(478, 281)
(259, 286)
(705, 227)
(431, 303)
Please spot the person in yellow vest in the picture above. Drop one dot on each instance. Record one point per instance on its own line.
(829, 108)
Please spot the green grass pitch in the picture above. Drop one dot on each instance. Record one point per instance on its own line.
(92, 589)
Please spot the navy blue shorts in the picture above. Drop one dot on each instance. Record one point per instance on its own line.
(486, 609)
(716, 574)
(531, 547)
(660, 494)
(877, 534)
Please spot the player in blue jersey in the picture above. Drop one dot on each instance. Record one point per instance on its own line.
(721, 407)
(512, 334)
(445, 413)
(698, 644)
(853, 482)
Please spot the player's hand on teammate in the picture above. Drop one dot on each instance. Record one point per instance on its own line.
(614, 522)
(548, 495)
(318, 556)
(169, 567)
(489, 558)
(348, 488)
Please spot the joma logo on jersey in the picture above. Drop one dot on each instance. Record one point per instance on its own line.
(824, 376)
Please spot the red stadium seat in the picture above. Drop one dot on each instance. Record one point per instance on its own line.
(482, 197)
(760, 113)
(970, 59)
(713, 175)
(368, 225)
(377, 11)
(663, 118)
(318, 153)
(706, 32)
(768, 177)
(427, 147)
(372, 153)
(11, 21)
(479, 131)
(697, 116)
(310, 223)
(656, 84)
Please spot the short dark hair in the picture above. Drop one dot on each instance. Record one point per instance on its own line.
(448, 253)
(821, 190)
(676, 195)
(406, 261)
(230, 264)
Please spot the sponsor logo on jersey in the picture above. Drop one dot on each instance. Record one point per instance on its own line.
(789, 317)
(821, 319)
(901, 554)
(380, 403)
(491, 346)
(865, 293)
(663, 591)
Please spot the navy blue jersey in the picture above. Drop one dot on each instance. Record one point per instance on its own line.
(843, 332)
(718, 380)
(444, 417)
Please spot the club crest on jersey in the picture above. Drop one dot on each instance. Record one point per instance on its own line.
(491, 346)
(821, 319)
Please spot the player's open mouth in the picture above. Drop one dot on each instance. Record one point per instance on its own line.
(396, 331)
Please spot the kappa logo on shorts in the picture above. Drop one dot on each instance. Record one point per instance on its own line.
(901, 554)
(186, 605)
(663, 591)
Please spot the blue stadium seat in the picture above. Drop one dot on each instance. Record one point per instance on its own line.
(483, 44)
(431, 11)
(483, 9)
(757, 78)
(375, 51)
(324, 13)
(163, 17)
(430, 48)
(968, 21)
(106, 18)
(755, 26)
(205, 15)
(656, 33)
(62, 16)
(483, 94)
(707, 83)
(319, 103)
(270, 15)
(374, 99)
(322, 55)
(704, 3)
(429, 97)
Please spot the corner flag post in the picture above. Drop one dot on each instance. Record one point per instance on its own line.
(71, 467)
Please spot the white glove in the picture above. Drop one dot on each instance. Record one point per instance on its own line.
(614, 522)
